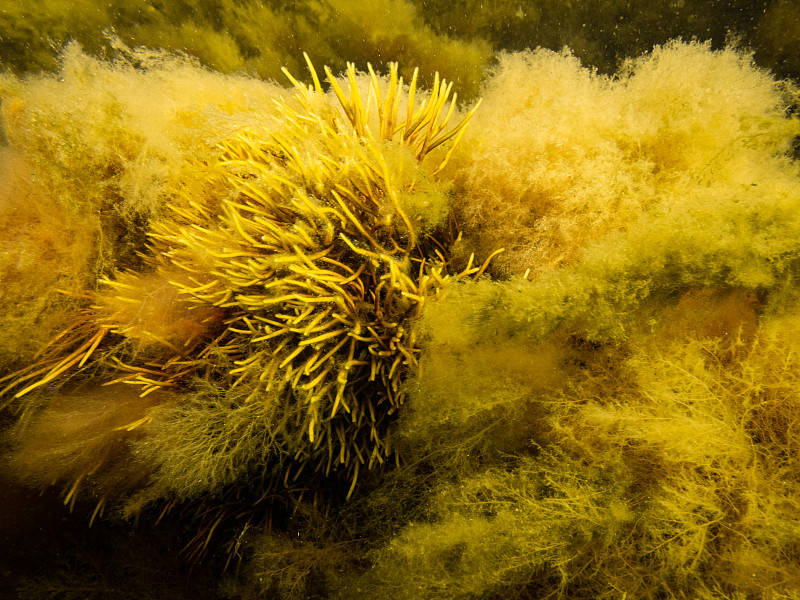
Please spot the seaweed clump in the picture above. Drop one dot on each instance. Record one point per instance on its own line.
(278, 284)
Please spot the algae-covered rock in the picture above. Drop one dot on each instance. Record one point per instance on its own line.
(362, 347)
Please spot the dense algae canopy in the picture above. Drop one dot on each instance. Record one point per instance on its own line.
(611, 414)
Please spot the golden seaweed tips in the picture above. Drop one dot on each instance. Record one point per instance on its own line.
(396, 117)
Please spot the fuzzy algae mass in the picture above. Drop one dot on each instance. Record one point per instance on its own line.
(649, 352)
(614, 416)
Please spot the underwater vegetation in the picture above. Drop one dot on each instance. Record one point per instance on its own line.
(457, 39)
(278, 321)
(257, 37)
(277, 282)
